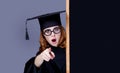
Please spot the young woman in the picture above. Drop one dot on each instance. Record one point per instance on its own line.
(51, 57)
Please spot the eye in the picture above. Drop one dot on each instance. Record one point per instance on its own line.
(56, 29)
(47, 32)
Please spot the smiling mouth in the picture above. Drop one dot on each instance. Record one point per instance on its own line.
(53, 40)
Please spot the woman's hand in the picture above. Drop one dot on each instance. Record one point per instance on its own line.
(45, 55)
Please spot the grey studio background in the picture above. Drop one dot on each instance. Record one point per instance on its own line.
(14, 49)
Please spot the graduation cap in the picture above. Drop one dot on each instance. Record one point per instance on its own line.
(46, 20)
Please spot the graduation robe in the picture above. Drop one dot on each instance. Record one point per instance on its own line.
(57, 65)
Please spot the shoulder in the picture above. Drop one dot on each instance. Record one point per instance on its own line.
(31, 60)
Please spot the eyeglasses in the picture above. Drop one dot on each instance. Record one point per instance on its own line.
(48, 32)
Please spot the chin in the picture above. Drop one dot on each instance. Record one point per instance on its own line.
(55, 45)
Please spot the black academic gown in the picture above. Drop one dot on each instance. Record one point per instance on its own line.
(57, 65)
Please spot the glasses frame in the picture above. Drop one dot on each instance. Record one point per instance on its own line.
(52, 31)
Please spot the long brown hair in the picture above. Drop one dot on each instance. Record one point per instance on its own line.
(62, 42)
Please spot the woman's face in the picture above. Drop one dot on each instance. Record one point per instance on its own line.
(52, 35)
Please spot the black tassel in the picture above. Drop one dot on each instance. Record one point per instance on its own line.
(27, 36)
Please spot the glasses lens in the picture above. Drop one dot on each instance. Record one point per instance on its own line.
(47, 32)
(56, 30)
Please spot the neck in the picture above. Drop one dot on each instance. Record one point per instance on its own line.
(53, 46)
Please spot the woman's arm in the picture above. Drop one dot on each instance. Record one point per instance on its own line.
(35, 64)
(30, 67)
(45, 55)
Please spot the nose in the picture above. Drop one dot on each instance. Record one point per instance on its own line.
(52, 34)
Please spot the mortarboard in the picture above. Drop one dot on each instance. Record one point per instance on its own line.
(46, 20)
